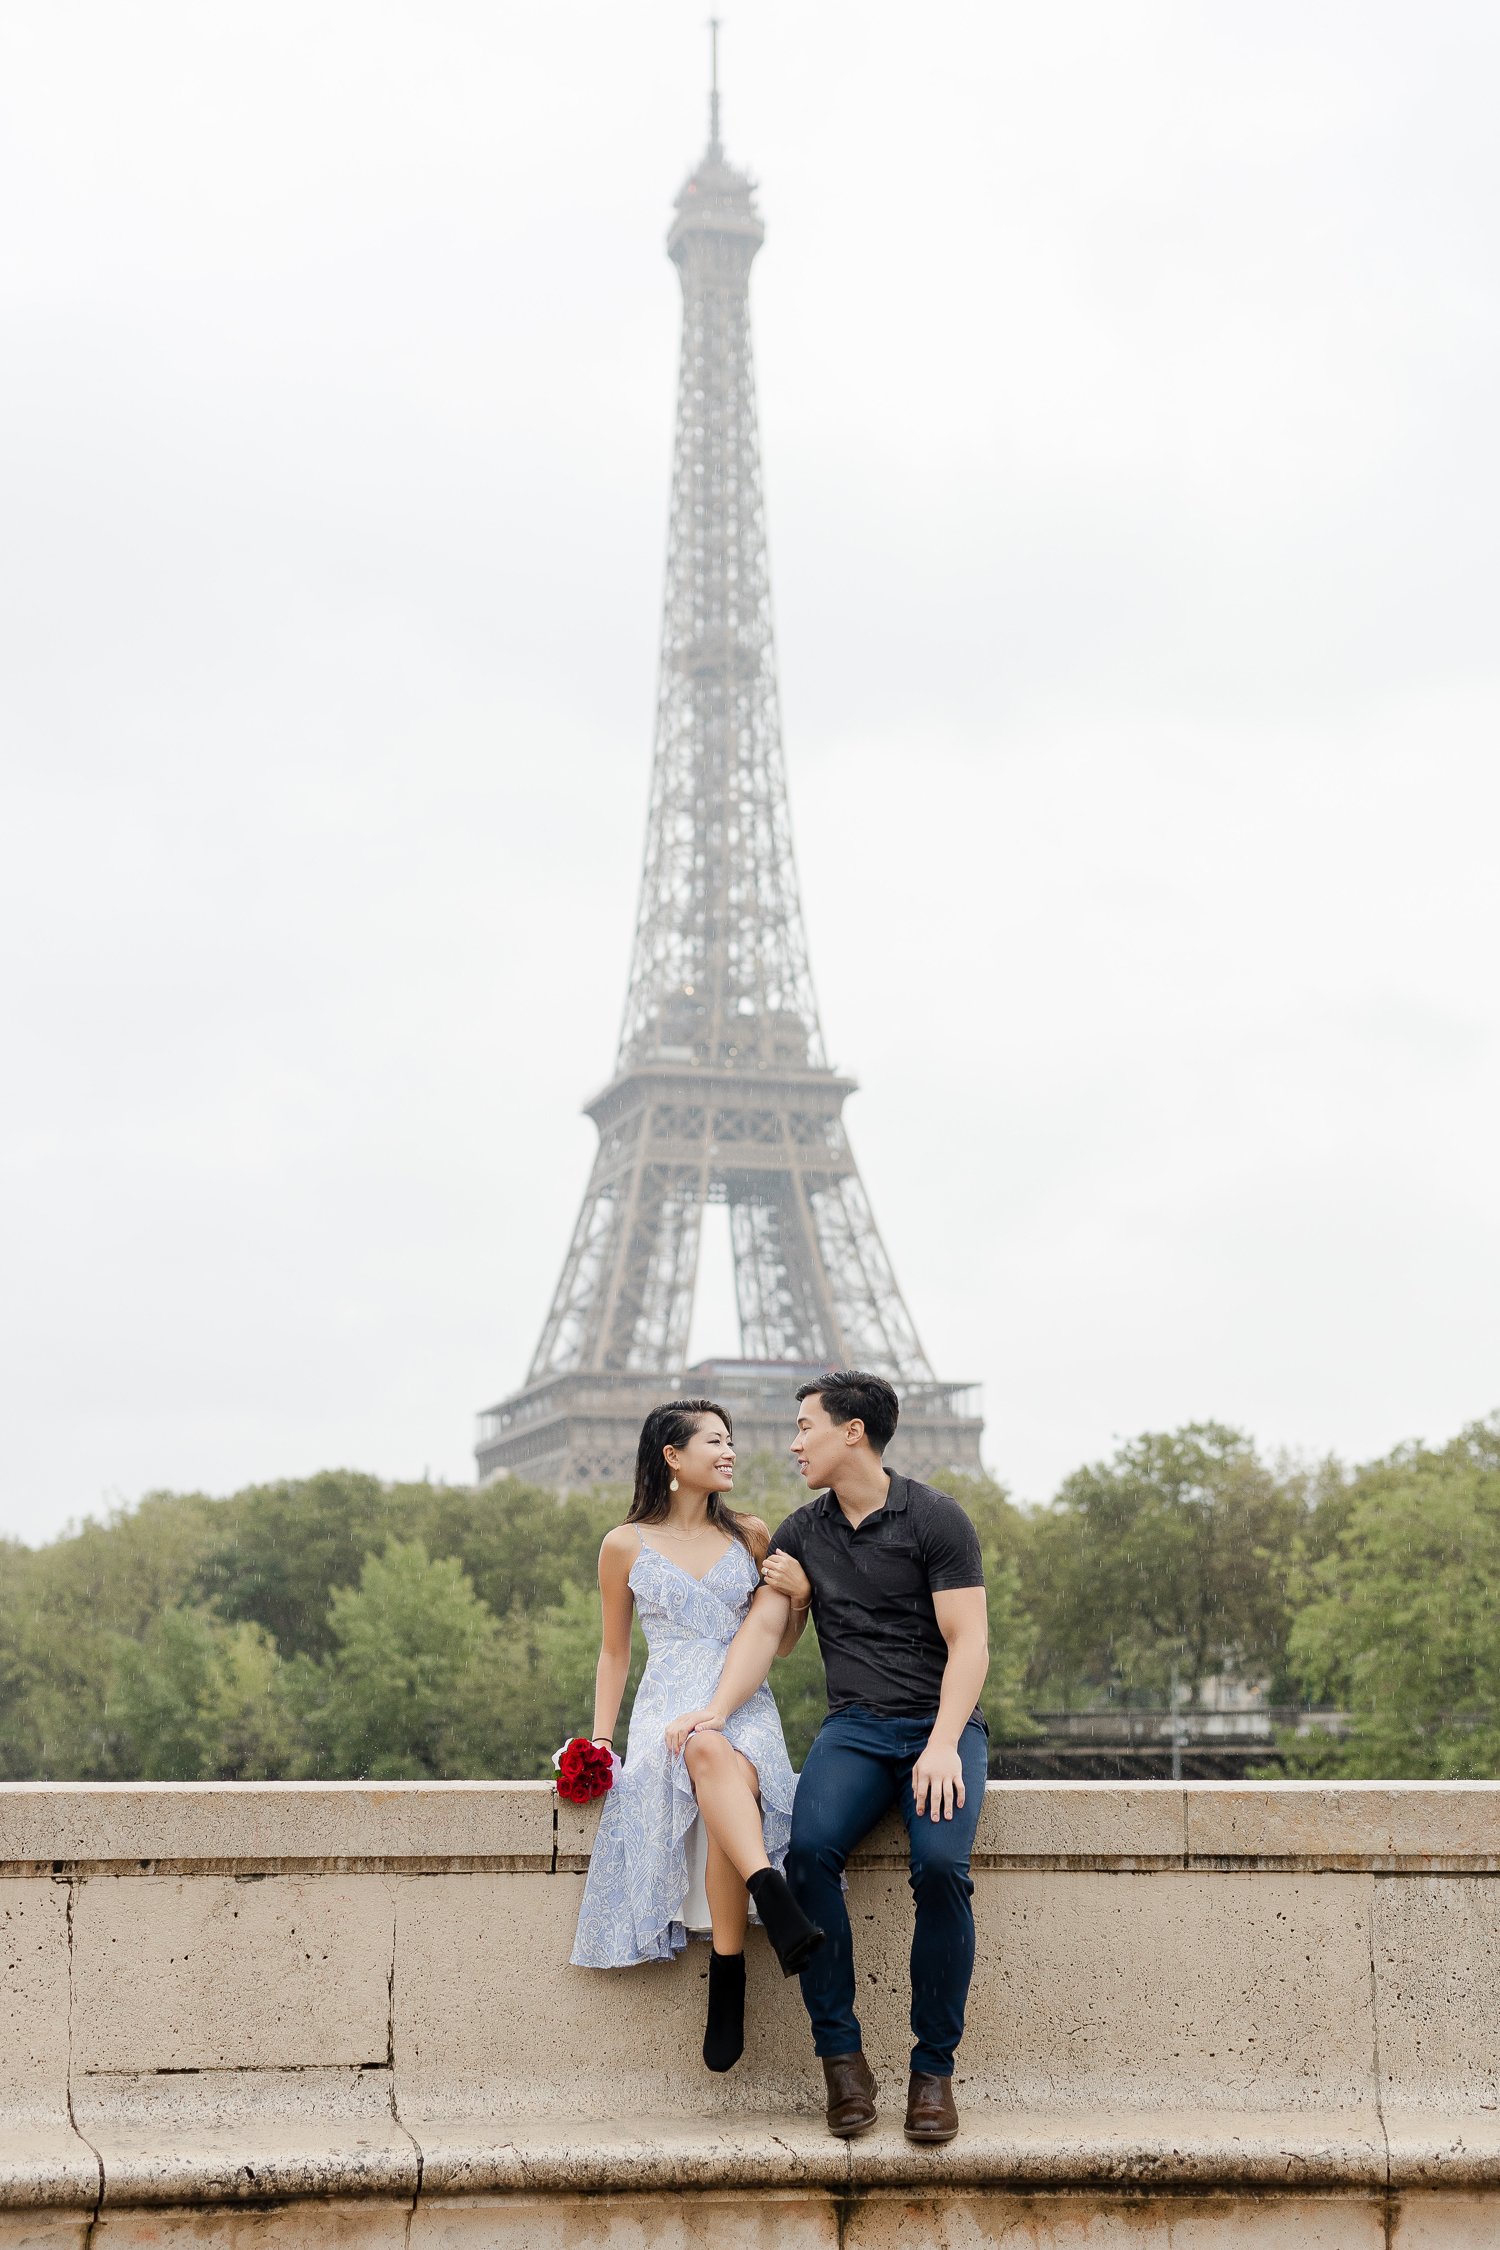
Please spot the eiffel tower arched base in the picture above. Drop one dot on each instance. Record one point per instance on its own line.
(576, 1430)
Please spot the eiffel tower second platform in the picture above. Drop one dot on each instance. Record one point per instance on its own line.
(575, 1430)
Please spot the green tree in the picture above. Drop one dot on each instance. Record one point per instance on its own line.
(1006, 1697)
(63, 1608)
(546, 1690)
(521, 1545)
(1399, 1623)
(198, 1700)
(277, 1552)
(413, 1684)
(801, 1693)
(1170, 1561)
(1005, 1542)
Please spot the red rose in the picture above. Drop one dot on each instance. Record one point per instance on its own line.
(584, 1771)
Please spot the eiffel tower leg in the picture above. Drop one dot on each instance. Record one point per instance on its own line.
(876, 1328)
(568, 1331)
(785, 1309)
(648, 1300)
(571, 1335)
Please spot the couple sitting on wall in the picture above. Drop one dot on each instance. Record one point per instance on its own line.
(706, 1801)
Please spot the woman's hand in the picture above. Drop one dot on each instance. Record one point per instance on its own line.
(692, 1722)
(785, 1575)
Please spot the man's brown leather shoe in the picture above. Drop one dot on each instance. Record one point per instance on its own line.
(851, 2094)
(931, 2114)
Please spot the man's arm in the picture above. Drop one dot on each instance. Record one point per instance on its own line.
(963, 1621)
(745, 1667)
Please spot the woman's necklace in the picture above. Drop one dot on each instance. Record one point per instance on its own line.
(704, 1530)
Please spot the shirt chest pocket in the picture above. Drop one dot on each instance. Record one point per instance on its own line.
(893, 1569)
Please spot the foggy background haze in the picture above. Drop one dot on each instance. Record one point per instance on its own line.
(1127, 382)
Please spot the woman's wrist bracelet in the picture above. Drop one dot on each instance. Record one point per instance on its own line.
(609, 1738)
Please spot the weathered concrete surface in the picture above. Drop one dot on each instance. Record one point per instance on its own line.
(227, 2136)
(648, 2222)
(1437, 1975)
(184, 1973)
(1237, 2015)
(1050, 1823)
(785, 2221)
(1389, 1827)
(42, 2159)
(1089, 2222)
(144, 1827)
(1378, 1826)
(300, 2226)
(1441, 2221)
(43, 2230)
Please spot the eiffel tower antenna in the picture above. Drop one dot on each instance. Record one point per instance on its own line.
(721, 1091)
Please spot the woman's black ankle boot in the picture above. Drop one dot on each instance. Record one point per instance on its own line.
(724, 2040)
(794, 1939)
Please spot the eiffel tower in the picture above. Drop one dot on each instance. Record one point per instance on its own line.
(722, 1091)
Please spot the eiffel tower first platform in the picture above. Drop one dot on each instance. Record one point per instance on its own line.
(722, 1092)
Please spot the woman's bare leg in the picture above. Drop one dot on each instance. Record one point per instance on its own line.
(728, 1901)
(726, 1781)
(728, 1799)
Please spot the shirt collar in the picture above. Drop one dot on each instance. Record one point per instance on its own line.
(895, 1499)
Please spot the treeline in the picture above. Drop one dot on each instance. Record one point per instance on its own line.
(335, 1626)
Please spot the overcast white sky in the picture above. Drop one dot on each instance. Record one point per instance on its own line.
(1128, 388)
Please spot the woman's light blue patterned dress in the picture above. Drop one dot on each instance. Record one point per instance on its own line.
(638, 1879)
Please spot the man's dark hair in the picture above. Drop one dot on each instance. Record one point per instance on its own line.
(848, 1395)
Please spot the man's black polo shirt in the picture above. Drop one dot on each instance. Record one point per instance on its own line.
(872, 1593)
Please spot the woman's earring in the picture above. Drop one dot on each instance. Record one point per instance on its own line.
(672, 1487)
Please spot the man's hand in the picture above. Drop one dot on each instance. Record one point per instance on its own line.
(692, 1722)
(785, 1575)
(939, 1775)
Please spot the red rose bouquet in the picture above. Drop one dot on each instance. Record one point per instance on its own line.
(584, 1770)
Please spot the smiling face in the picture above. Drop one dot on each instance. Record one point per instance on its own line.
(706, 1462)
(822, 1447)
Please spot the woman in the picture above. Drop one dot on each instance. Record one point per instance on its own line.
(690, 1565)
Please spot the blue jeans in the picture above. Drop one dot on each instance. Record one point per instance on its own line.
(859, 1766)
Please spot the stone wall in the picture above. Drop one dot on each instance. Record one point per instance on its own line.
(276, 2015)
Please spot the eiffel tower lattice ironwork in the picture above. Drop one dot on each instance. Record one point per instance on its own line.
(722, 1091)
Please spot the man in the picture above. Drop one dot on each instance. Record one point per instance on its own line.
(892, 1571)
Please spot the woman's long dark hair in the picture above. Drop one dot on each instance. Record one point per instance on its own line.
(675, 1424)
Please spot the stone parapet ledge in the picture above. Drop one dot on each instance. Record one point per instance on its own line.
(276, 1827)
(519, 1827)
(299, 1994)
(1204, 2150)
